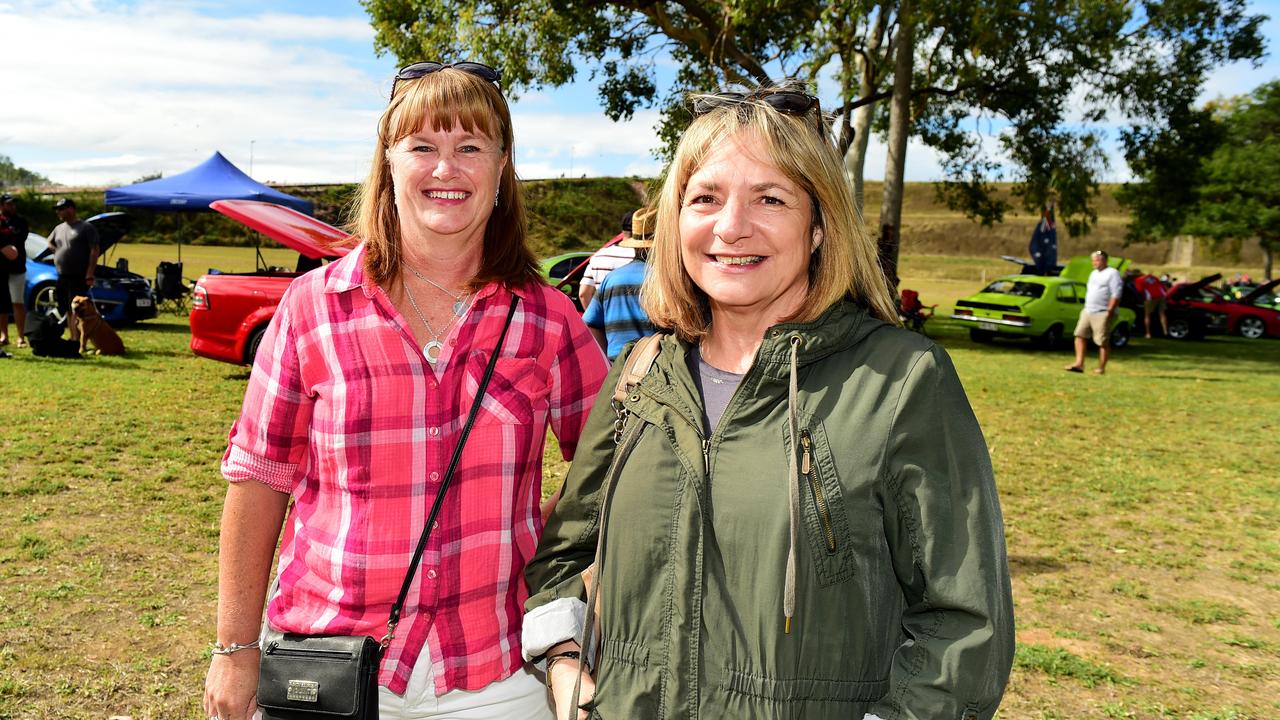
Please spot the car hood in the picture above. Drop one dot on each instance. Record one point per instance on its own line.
(111, 227)
(1264, 289)
(313, 238)
(1184, 289)
(1079, 267)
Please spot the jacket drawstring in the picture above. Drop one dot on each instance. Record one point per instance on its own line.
(793, 492)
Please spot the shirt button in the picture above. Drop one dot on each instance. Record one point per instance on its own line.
(435, 525)
(431, 574)
(433, 431)
(435, 475)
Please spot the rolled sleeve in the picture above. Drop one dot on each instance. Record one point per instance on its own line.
(269, 441)
(551, 624)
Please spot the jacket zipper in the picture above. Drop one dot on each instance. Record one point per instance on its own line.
(815, 489)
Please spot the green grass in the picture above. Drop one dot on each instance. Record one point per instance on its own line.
(1142, 514)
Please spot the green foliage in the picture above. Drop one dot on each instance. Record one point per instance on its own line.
(581, 214)
(12, 176)
(1216, 176)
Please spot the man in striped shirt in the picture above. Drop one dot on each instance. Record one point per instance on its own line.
(606, 260)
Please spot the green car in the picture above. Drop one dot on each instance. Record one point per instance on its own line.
(1044, 309)
(565, 271)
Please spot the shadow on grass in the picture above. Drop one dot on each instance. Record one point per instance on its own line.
(1034, 565)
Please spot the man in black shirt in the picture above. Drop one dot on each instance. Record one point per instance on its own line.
(75, 255)
(13, 268)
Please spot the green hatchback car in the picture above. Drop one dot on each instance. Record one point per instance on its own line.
(1044, 309)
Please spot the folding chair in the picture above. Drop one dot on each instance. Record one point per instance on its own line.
(171, 292)
(912, 312)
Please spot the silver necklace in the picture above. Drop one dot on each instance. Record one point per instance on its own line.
(431, 349)
(459, 301)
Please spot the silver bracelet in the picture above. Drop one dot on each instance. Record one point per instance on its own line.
(219, 649)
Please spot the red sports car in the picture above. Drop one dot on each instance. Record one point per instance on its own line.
(230, 311)
(1232, 316)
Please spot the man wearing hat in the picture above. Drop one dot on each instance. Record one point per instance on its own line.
(614, 316)
(75, 255)
(604, 261)
(13, 263)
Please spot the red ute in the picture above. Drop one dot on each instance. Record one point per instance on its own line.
(230, 311)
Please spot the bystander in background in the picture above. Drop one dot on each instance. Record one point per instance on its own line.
(615, 316)
(75, 255)
(13, 263)
(1154, 301)
(1101, 298)
(604, 261)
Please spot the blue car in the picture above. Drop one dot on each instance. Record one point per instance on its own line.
(121, 296)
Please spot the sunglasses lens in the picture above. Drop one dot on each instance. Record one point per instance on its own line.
(792, 103)
(480, 70)
(417, 70)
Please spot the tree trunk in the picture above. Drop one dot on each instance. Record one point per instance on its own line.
(855, 158)
(1266, 258)
(899, 129)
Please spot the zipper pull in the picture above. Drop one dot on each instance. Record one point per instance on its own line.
(806, 460)
(706, 456)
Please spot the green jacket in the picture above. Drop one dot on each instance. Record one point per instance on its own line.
(902, 605)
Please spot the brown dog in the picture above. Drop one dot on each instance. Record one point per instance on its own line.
(89, 325)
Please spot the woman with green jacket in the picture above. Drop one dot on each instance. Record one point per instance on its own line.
(792, 513)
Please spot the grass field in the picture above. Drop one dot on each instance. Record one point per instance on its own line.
(1142, 510)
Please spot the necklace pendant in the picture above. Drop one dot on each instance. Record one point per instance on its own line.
(458, 307)
(431, 351)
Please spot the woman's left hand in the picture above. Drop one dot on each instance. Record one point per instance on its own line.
(563, 676)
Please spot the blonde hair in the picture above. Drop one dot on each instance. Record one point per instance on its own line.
(846, 264)
(446, 98)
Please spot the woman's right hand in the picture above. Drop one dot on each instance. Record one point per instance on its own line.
(564, 674)
(231, 687)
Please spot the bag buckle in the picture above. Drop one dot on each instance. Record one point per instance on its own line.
(303, 691)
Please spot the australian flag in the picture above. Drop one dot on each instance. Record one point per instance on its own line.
(1044, 243)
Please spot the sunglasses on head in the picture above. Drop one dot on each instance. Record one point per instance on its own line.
(417, 70)
(791, 102)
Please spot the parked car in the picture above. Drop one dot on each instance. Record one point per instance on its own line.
(122, 297)
(230, 311)
(564, 272)
(1208, 310)
(1044, 309)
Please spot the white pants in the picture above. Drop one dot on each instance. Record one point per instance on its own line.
(520, 697)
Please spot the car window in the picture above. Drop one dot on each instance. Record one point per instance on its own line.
(1015, 287)
(1066, 293)
(563, 267)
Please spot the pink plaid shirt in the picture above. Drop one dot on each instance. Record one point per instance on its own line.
(343, 412)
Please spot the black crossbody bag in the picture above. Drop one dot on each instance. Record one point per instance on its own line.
(335, 677)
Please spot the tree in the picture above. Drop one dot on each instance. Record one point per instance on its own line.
(1215, 176)
(13, 176)
(1035, 74)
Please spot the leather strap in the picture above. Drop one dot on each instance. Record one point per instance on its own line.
(639, 360)
(448, 476)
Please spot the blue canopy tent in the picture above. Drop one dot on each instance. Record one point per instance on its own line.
(214, 179)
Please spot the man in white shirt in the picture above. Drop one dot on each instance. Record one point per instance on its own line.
(604, 261)
(1100, 302)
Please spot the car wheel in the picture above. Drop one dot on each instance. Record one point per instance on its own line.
(1120, 335)
(1051, 337)
(1179, 328)
(1252, 327)
(251, 350)
(982, 336)
(44, 301)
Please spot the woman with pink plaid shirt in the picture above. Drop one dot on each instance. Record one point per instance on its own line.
(356, 400)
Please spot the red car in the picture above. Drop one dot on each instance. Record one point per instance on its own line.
(230, 311)
(1220, 313)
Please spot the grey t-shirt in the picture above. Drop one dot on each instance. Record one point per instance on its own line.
(72, 247)
(715, 385)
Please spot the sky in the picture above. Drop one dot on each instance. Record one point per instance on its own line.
(103, 92)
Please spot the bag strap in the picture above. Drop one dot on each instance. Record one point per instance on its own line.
(639, 360)
(638, 363)
(448, 476)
